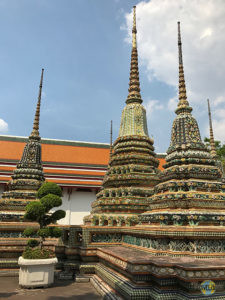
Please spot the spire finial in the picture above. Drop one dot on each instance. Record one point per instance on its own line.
(134, 84)
(179, 45)
(183, 105)
(211, 139)
(111, 130)
(134, 29)
(35, 131)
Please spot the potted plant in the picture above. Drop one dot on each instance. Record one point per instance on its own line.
(37, 263)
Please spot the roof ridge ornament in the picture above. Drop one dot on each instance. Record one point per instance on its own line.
(35, 131)
(134, 95)
(183, 105)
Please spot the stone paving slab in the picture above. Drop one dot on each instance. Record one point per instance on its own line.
(61, 290)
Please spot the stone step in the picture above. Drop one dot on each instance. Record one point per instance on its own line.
(9, 263)
(104, 289)
(128, 290)
(123, 285)
(9, 272)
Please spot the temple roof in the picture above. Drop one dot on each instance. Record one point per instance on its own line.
(68, 163)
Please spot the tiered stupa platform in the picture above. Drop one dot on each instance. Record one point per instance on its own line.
(178, 245)
(190, 197)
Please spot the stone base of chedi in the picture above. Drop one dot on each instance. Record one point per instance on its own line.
(143, 276)
(152, 262)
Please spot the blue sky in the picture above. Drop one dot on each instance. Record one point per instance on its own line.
(81, 45)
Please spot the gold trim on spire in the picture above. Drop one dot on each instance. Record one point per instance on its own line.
(35, 131)
(134, 84)
(183, 105)
(134, 29)
(211, 138)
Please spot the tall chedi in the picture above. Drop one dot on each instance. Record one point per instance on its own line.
(132, 171)
(28, 175)
(190, 197)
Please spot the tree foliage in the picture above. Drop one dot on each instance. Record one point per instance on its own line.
(220, 151)
(49, 196)
(49, 188)
(220, 148)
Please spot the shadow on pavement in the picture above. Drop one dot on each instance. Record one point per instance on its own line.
(87, 296)
(7, 295)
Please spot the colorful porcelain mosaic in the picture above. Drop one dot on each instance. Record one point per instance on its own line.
(28, 175)
(132, 172)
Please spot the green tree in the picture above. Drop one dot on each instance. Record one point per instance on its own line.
(220, 149)
(49, 196)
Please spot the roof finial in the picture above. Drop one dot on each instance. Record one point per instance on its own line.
(134, 84)
(183, 105)
(35, 131)
(211, 139)
(111, 130)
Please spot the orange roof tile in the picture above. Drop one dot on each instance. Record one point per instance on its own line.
(64, 162)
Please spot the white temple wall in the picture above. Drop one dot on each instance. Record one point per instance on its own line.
(76, 204)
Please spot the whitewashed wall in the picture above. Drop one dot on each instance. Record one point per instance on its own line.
(77, 204)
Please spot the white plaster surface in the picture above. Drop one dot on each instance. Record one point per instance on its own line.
(77, 204)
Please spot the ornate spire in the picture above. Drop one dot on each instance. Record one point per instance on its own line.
(183, 105)
(35, 131)
(211, 139)
(134, 84)
(28, 175)
(132, 171)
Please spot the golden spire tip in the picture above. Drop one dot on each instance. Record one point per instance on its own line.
(35, 131)
(211, 136)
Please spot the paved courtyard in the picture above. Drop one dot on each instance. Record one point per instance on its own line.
(68, 290)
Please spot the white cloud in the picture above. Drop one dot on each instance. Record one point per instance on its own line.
(3, 126)
(172, 103)
(153, 105)
(218, 128)
(203, 39)
(219, 100)
(206, 33)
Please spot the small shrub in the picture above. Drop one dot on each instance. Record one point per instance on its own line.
(55, 232)
(43, 232)
(33, 243)
(49, 201)
(38, 253)
(39, 211)
(49, 188)
(30, 232)
(57, 215)
(34, 210)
